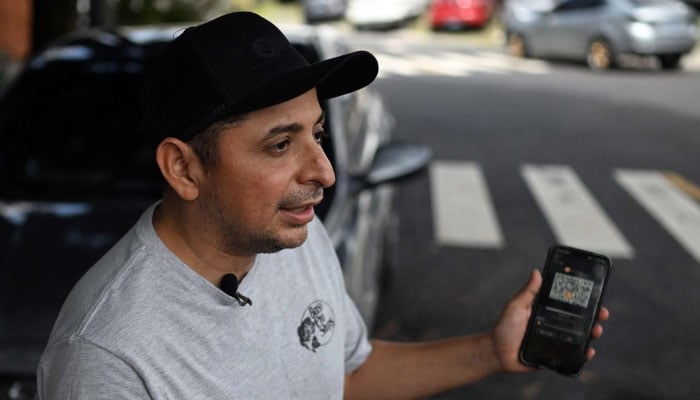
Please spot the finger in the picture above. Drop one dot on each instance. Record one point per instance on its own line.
(603, 314)
(597, 331)
(590, 353)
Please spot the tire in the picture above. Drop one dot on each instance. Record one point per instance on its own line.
(600, 55)
(516, 45)
(670, 61)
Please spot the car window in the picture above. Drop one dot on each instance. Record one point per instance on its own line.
(571, 5)
(69, 126)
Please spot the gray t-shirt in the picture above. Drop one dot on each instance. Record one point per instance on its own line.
(141, 324)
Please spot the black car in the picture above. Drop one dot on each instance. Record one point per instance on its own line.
(76, 173)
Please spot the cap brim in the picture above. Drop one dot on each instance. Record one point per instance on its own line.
(331, 78)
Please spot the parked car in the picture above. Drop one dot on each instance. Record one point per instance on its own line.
(693, 3)
(75, 174)
(365, 14)
(323, 10)
(459, 14)
(600, 31)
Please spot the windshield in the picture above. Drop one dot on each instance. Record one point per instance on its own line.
(69, 125)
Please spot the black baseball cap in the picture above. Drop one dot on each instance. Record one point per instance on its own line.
(234, 64)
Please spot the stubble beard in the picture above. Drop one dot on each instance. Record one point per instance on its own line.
(233, 238)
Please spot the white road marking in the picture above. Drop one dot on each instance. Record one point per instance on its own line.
(439, 65)
(574, 215)
(677, 212)
(451, 63)
(497, 63)
(463, 212)
(392, 65)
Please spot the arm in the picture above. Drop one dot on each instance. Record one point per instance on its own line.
(414, 370)
(411, 370)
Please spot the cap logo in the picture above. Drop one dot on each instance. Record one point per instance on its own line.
(265, 49)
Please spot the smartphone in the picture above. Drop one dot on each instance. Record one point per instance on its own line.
(565, 310)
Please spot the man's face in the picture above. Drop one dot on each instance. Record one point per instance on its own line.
(270, 174)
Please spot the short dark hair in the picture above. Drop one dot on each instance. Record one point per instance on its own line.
(206, 143)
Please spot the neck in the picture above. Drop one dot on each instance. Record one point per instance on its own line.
(187, 239)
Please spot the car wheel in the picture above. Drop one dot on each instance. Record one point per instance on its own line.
(515, 44)
(600, 55)
(670, 61)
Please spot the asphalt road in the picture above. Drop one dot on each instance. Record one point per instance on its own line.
(503, 117)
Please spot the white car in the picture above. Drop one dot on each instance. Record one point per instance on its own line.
(383, 13)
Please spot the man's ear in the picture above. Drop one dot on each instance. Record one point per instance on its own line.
(180, 167)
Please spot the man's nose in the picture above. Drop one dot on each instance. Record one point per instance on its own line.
(317, 167)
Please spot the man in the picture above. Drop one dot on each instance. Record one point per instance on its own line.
(229, 287)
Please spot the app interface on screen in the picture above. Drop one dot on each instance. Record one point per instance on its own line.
(571, 298)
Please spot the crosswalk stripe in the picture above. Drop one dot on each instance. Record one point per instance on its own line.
(389, 65)
(474, 62)
(440, 65)
(496, 63)
(572, 212)
(464, 214)
(677, 212)
(462, 207)
(451, 63)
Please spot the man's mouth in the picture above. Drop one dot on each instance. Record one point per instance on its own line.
(299, 215)
(298, 201)
(300, 208)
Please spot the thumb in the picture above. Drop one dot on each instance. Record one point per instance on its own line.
(510, 329)
(527, 294)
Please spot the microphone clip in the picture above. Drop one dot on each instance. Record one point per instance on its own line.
(229, 285)
(242, 300)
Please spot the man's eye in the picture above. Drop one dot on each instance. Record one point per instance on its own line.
(280, 147)
(320, 136)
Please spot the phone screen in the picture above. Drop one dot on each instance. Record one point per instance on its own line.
(565, 311)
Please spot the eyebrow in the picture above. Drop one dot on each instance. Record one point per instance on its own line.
(293, 127)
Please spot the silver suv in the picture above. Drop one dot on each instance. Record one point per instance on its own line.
(600, 31)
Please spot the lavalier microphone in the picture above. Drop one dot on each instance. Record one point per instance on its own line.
(229, 285)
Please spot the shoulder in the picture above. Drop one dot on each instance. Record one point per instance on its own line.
(129, 283)
(78, 369)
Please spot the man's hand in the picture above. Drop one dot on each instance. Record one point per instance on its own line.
(417, 370)
(508, 334)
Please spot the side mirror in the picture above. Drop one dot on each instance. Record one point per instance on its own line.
(395, 161)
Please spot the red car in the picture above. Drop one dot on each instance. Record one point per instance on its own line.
(457, 14)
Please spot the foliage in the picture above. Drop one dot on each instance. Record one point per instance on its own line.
(135, 12)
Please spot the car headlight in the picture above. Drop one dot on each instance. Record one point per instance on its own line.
(641, 30)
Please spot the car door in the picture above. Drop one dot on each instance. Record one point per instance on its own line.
(571, 25)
